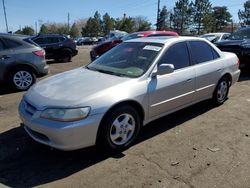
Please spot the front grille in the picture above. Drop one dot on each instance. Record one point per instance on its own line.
(30, 109)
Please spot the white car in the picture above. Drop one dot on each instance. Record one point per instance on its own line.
(215, 37)
(131, 85)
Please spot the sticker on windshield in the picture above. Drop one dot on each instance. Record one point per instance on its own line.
(153, 48)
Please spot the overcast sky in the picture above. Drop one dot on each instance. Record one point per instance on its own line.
(27, 12)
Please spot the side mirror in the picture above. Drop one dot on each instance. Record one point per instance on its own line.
(164, 69)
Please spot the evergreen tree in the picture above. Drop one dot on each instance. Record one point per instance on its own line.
(162, 22)
(108, 24)
(222, 17)
(182, 16)
(44, 29)
(200, 11)
(74, 32)
(244, 15)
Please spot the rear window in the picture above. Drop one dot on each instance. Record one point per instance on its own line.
(30, 41)
(12, 43)
(159, 35)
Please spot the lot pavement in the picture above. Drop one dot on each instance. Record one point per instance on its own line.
(200, 146)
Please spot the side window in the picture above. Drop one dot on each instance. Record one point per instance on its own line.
(201, 52)
(61, 39)
(52, 40)
(215, 54)
(40, 41)
(177, 55)
(11, 43)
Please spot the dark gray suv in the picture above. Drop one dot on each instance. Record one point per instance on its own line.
(21, 61)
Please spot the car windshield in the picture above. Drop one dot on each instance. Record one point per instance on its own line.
(240, 35)
(129, 59)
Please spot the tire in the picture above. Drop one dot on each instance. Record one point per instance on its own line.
(22, 79)
(221, 91)
(66, 56)
(119, 129)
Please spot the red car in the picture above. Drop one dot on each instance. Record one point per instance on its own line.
(107, 45)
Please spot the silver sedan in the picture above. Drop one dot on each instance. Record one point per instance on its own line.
(140, 80)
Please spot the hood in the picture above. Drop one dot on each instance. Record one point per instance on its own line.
(72, 88)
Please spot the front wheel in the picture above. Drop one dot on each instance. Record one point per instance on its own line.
(221, 91)
(119, 129)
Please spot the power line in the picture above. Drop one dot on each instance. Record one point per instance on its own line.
(5, 16)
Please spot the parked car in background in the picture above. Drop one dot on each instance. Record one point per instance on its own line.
(238, 43)
(87, 41)
(57, 47)
(215, 37)
(21, 61)
(109, 44)
(138, 81)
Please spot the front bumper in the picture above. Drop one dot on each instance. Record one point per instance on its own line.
(60, 135)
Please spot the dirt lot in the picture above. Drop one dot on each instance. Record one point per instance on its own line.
(201, 146)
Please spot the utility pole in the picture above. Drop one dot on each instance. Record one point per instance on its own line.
(6, 22)
(158, 15)
(68, 22)
(36, 27)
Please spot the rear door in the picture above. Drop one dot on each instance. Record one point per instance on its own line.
(208, 68)
(171, 91)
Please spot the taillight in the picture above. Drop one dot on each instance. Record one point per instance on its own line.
(40, 53)
(238, 63)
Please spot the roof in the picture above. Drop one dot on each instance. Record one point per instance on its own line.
(165, 39)
(146, 33)
(219, 33)
(14, 35)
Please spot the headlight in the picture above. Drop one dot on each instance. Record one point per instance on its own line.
(65, 115)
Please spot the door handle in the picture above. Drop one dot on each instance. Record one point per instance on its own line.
(4, 57)
(189, 80)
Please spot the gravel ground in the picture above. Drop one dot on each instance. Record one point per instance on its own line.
(200, 146)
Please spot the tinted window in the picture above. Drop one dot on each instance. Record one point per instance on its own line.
(61, 39)
(177, 55)
(201, 52)
(2, 46)
(11, 43)
(40, 41)
(52, 40)
(159, 35)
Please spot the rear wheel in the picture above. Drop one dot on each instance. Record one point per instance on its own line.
(221, 91)
(119, 129)
(66, 56)
(22, 79)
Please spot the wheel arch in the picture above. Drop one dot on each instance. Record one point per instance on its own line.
(228, 76)
(136, 105)
(18, 66)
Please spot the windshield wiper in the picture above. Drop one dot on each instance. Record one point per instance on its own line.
(110, 72)
(105, 71)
